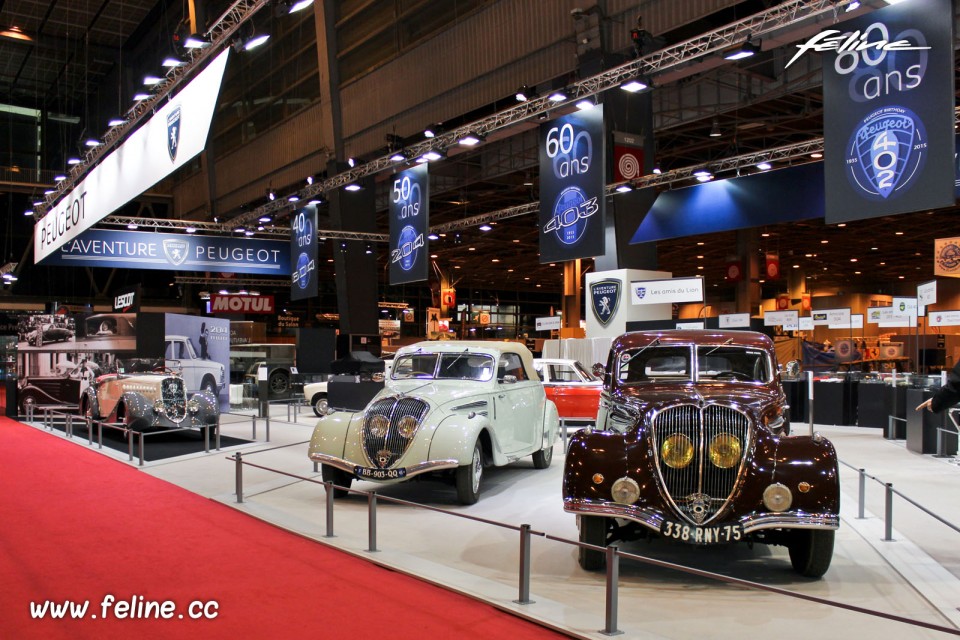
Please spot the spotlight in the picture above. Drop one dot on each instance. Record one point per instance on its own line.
(624, 188)
(293, 198)
(352, 162)
(764, 166)
(635, 85)
(852, 6)
(558, 96)
(28, 212)
(430, 156)
(432, 131)
(255, 41)
(300, 5)
(315, 202)
(715, 130)
(191, 229)
(656, 170)
(525, 93)
(239, 230)
(133, 226)
(472, 139)
(398, 156)
(309, 179)
(368, 250)
(585, 104)
(73, 161)
(196, 41)
(432, 236)
(248, 233)
(353, 186)
(141, 96)
(741, 51)
(90, 142)
(265, 219)
(700, 173)
(149, 81)
(271, 194)
(485, 227)
(170, 62)
(116, 122)
(59, 178)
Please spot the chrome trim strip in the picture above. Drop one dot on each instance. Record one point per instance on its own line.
(470, 405)
(756, 522)
(421, 467)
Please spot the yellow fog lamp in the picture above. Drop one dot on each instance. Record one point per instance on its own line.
(725, 450)
(677, 451)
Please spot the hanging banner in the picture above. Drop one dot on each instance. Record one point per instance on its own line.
(944, 318)
(874, 315)
(734, 271)
(627, 156)
(888, 104)
(409, 212)
(733, 320)
(173, 252)
(169, 139)
(773, 266)
(927, 293)
(303, 248)
(789, 320)
(548, 323)
(806, 323)
(663, 291)
(572, 182)
(220, 303)
(946, 257)
(856, 322)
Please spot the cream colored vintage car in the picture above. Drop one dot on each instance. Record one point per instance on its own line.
(144, 401)
(448, 409)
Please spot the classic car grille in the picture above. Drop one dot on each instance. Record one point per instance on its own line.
(384, 447)
(700, 489)
(174, 397)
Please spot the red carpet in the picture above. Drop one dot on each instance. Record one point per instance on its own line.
(75, 525)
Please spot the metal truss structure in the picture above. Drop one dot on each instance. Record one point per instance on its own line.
(219, 35)
(233, 283)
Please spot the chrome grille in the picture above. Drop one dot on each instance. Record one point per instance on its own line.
(383, 450)
(174, 396)
(701, 489)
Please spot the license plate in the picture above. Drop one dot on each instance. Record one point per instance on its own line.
(692, 534)
(366, 473)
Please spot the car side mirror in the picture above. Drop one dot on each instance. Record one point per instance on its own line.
(540, 375)
(598, 370)
(508, 379)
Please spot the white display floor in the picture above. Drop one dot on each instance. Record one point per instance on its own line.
(915, 576)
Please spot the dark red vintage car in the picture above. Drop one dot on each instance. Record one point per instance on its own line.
(692, 444)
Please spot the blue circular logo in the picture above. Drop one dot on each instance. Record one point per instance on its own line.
(568, 215)
(407, 247)
(886, 153)
(303, 270)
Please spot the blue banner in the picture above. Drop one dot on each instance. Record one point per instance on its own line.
(173, 252)
(572, 182)
(888, 111)
(409, 221)
(303, 246)
(741, 203)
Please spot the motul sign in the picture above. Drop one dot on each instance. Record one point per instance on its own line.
(241, 304)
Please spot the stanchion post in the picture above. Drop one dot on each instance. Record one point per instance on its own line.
(524, 595)
(216, 432)
(372, 521)
(206, 438)
(140, 444)
(613, 591)
(862, 494)
(316, 467)
(239, 476)
(129, 436)
(810, 399)
(99, 434)
(254, 435)
(68, 426)
(268, 427)
(89, 430)
(329, 488)
(888, 514)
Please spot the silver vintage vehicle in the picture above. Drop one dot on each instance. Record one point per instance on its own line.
(448, 409)
(149, 400)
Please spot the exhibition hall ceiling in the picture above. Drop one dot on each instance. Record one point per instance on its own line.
(76, 45)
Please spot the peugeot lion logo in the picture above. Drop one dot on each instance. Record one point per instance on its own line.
(173, 133)
(175, 251)
(605, 298)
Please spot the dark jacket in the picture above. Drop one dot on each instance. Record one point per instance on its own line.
(949, 394)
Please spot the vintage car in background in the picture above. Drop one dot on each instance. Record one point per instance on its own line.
(199, 373)
(691, 444)
(49, 332)
(448, 409)
(574, 390)
(315, 393)
(146, 401)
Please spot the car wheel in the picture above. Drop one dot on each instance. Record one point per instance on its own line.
(542, 458)
(278, 382)
(26, 401)
(320, 405)
(811, 552)
(209, 385)
(593, 530)
(468, 477)
(338, 477)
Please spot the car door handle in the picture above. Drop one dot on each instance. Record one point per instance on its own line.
(501, 395)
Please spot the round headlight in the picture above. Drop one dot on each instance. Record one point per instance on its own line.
(193, 406)
(777, 497)
(625, 491)
(677, 451)
(407, 426)
(725, 450)
(158, 406)
(378, 426)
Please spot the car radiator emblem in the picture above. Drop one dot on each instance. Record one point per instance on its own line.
(383, 458)
(699, 503)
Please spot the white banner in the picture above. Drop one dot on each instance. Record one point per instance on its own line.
(689, 325)
(927, 293)
(944, 318)
(806, 323)
(789, 320)
(734, 320)
(548, 323)
(904, 308)
(169, 139)
(662, 291)
(831, 316)
(856, 322)
(874, 315)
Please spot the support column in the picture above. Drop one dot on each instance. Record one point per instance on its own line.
(572, 297)
(748, 289)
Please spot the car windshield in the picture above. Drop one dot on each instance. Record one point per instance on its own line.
(587, 375)
(443, 366)
(714, 362)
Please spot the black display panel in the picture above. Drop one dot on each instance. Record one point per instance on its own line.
(409, 221)
(572, 182)
(303, 253)
(888, 111)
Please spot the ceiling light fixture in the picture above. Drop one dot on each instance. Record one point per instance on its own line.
(171, 62)
(585, 104)
(485, 227)
(133, 226)
(430, 156)
(741, 51)
(191, 229)
(635, 85)
(91, 142)
(139, 97)
(472, 139)
(255, 41)
(59, 177)
(300, 5)
(353, 186)
(764, 166)
(715, 130)
(150, 81)
(398, 156)
(196, 41)
(15, 33)
(525, 93)
(624, 188)
(116, 122)
(293, 198)
(558, 96)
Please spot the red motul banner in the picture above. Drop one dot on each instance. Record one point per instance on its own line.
(773, 266)
(241, 304)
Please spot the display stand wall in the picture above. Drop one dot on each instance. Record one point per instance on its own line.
(624, 311)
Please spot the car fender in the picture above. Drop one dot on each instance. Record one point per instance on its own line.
(551, 424)
(455, 435)
(136, 405)
(209, 407)
(89, 396)
(330, 434)
(813, 461)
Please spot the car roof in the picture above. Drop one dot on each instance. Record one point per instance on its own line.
(480, 346)
(636, 339)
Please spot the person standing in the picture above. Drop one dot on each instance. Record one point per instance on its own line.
(947, 395)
